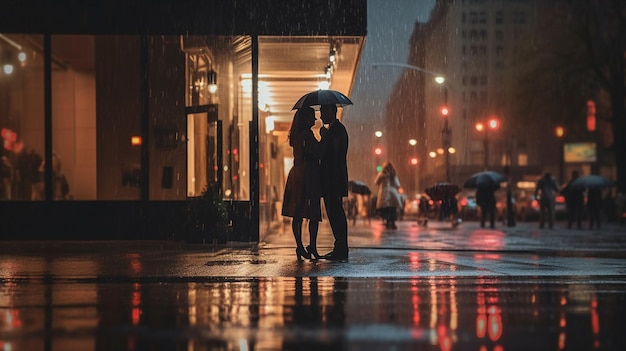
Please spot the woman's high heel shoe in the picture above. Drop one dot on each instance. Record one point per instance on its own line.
(301, 252)
(312, 252)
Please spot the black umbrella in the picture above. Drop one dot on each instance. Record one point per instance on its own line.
(442, 190)
(358, 187)
(592, 181)
(485, 179)
(322, 97)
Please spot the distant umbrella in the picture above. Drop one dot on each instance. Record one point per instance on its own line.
(441, 191)
(485, 179)
(359, 187)
(322, 97)
(592, 181)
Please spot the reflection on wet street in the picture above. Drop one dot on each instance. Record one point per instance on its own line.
(306, 313)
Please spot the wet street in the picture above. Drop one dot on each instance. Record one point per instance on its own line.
(416, 288)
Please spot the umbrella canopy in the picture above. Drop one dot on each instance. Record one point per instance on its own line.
(592, 181)
(442, 190)
(485, 179)
(358, 187)
(322, 97)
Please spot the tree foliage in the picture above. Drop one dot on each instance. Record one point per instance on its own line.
(576, 53)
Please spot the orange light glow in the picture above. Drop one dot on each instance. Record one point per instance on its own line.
(480, 127)
(595, 319)
(481, 326)
(562, 341)
(591, 123)
(591, 115)
(135, 140)
(495, 326)
(559, 132)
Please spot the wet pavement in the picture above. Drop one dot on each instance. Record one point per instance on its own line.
(415, 288)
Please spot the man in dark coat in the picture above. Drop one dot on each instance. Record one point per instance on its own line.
(486, 199)
(334, 174)
(574, 202)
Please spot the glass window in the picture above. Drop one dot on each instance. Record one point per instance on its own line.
(96, 117)
(74, 117)
(188, 88)
(218, 100)
(22, 117)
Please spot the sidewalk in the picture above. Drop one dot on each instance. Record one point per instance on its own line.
(468, 236)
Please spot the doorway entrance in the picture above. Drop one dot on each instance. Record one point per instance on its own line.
(204, 149)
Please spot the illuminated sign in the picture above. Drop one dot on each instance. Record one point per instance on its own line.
(579, 152)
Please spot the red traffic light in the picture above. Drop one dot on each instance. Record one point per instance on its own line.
(493, 123)
(444, 111)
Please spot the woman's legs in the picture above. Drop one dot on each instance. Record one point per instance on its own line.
(313, 228)
(296, 227)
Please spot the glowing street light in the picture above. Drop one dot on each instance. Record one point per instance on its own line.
(491, 124)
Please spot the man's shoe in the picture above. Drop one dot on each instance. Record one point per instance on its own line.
(333, 256)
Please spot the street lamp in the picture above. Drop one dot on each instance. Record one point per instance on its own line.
(444, 111)
(559, 131)
(491, 124)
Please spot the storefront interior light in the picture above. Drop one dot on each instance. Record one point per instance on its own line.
(212, 79)
(328, 71)
(8, 68)
(323, 85)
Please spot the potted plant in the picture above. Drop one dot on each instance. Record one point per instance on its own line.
(206, 218)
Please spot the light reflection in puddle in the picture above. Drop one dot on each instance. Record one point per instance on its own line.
(309, 312)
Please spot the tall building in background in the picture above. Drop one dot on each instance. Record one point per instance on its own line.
(475, 44)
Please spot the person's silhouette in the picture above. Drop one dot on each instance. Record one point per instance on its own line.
(334, 178)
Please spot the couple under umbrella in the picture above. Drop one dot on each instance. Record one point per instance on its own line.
(319, 171)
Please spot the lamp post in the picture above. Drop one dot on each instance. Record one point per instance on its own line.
(439, 79)
(559, 131)
(445, 136)
(491, 124)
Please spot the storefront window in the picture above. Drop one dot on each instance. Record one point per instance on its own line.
(21, 117)
(218, 109)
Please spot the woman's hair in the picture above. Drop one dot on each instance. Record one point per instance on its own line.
(388, 168)
(299, 122)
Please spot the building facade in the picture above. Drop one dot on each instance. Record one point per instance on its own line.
(114, 115)
(475, 45)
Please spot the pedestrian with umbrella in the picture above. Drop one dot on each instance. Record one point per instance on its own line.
(594, 206)
(574, 202)
(388, 199)
(486, 183)
(594, 184)
(445, 193)
(486, 199)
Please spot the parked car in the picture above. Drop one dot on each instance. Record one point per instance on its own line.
(528, 209)
(501, 205)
